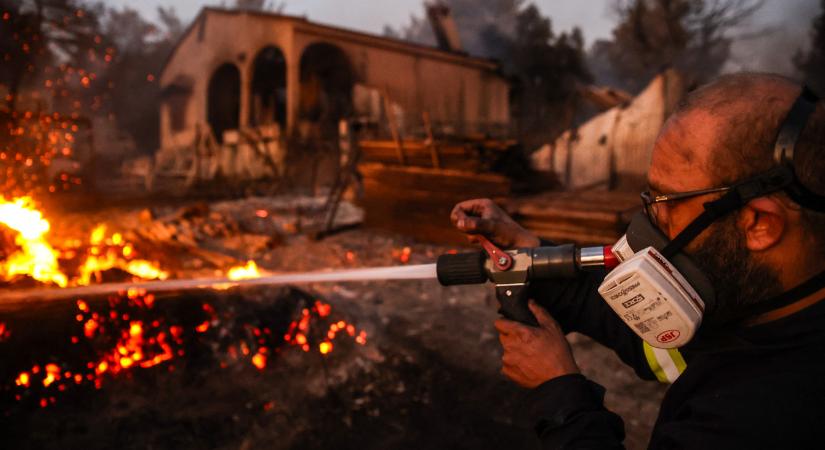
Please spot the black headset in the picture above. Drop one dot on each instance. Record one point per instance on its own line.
(784, 154)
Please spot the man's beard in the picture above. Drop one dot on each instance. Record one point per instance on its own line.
(740, 281)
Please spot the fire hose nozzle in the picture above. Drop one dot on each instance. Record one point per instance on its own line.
(461, 268)
(528, 264)
(513, 270)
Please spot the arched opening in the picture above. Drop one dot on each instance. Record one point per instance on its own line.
(268, 99)
(176, 98)
(326, 87)
(224, 100)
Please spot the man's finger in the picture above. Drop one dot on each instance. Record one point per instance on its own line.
(508, 359)
(509, 371)
(544, 318)
(514, 374)
(512, 343)
(459, 218)
(507, 338)
(459, 213)
(479, 225)
(508, 327)
(475, 207)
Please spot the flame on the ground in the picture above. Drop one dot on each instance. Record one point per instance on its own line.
(129, 343)
(35, 257)
(250, 270)
(39, 260)
(113, 253)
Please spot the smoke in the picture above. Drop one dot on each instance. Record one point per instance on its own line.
(766, 42)
(778, 32)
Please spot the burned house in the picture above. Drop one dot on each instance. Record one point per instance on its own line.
(612, 150)
(240, 82)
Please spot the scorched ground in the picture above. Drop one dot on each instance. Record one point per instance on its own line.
(374, 365)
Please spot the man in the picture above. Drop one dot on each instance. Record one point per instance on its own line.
(754, 374)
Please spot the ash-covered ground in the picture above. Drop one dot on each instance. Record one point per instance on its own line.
(428, 376)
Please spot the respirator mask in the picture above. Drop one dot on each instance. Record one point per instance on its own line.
(657, 290)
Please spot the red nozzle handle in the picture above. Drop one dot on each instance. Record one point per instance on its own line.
(501, 259)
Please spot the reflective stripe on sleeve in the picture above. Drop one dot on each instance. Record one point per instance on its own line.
(666, 364)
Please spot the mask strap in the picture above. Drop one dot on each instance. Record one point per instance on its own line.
(773, 180)
(799, 292)
(713, 211)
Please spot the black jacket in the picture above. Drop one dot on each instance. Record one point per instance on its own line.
(759, 387)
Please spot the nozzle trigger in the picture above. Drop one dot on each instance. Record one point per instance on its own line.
(501, 259)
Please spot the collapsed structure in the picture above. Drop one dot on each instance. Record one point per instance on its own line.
(239, 82)
(613, 149)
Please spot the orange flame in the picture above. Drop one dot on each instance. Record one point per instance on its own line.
(36, 257)
(250, 270)
(111, 259)
(39, 260)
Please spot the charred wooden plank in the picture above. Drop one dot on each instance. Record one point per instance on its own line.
(584, 217)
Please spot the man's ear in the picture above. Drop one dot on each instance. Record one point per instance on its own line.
(763, 220)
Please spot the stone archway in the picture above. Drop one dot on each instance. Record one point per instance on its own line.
(268, 89)
(223, 101)
(327, 79)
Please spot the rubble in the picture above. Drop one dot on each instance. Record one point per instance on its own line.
(226, 233)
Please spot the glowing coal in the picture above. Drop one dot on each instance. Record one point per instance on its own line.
(132, 333)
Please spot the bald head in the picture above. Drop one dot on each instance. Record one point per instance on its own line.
(745, 112)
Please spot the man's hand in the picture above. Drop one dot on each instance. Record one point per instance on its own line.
(534, 355)
(484, 217)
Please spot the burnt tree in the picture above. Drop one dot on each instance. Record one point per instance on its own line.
(689, 35)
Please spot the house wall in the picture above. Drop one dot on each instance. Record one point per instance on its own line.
(215, 39)
(450, 91)
(614, 148)
(452, 88)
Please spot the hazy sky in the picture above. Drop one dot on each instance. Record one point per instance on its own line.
(789, 21)
(372, 15)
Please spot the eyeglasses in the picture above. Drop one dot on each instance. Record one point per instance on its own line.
(651, 201)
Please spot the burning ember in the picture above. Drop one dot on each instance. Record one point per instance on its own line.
(130, 332)
(124, 337)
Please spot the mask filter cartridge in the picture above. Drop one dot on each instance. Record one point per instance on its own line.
(653, 299)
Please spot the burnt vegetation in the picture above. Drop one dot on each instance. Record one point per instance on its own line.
(692, 36)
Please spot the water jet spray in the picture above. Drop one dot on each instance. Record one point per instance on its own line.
(511, 271)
